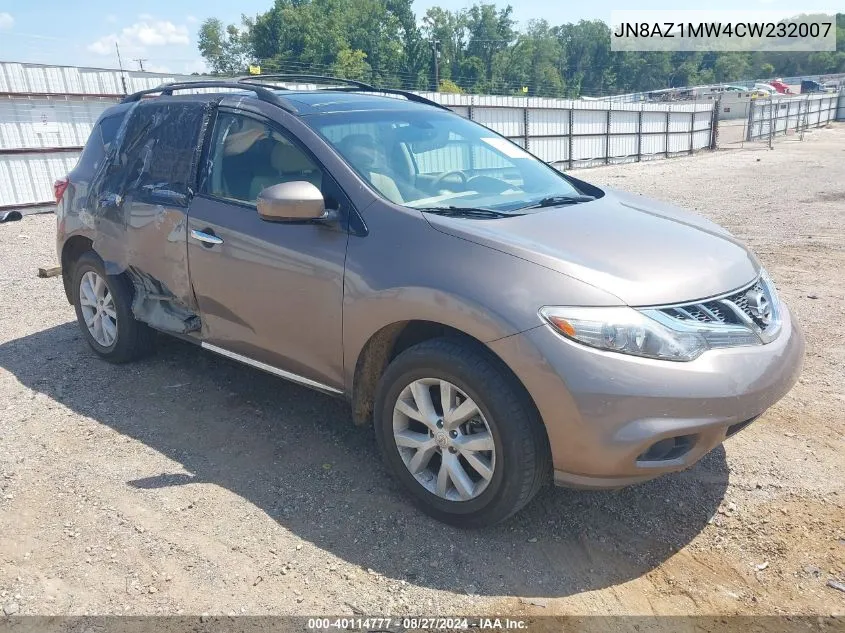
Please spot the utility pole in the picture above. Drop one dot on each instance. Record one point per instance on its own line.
(140, 63)
(120, 64)
(434, 44)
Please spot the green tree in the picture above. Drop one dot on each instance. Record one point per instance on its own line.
(731, 67)
(447, 31)
(226, 50)
(490, 32)
(478, 50)
(586, 62)
(531, 62)
(352, 65)
(449, 87)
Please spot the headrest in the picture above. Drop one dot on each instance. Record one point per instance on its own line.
(287, 159)
(360, 149)
(357, 140)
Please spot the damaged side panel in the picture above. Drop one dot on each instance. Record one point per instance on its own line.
(137, 204)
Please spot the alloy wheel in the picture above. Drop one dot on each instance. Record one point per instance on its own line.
(98, 308)
(444, 439)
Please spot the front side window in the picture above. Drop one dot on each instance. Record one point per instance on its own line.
(247, 156)
(436, 160)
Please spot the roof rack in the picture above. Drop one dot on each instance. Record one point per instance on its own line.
(167, 90)
(310, 78)
(350, 85)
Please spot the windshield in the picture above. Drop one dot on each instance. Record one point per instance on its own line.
(432, 160)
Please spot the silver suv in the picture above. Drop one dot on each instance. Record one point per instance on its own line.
(499, 323)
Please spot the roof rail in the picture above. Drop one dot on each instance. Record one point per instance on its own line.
(167, 90)
(413, 96)
(351, 85)
(311, 78)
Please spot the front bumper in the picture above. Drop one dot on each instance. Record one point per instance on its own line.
(604, 411)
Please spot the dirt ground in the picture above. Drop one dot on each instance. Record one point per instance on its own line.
(187, 484)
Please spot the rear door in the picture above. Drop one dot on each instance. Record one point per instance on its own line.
(269, 293)
(137, 202)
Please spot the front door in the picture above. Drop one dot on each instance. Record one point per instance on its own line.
(268, 292)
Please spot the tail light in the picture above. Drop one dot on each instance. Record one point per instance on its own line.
(59, 188)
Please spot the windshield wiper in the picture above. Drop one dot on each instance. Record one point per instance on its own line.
(467, 212)
(557, 201)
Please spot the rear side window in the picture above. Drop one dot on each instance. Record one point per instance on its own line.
(159, 150)
(99, 143)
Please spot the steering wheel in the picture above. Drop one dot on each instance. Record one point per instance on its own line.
(446, 174)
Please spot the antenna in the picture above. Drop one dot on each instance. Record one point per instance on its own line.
(140, 63)
(120, 64)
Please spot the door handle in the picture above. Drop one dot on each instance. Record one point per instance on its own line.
(207, 239)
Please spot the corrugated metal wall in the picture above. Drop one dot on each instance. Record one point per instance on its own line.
(575, 133)
(47, 112)
(46, 115)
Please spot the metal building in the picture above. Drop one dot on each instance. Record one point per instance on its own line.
(46, 114)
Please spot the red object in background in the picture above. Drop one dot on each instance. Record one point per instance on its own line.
(781, 87)
(59, 188)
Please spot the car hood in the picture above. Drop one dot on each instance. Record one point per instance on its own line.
(643, 251)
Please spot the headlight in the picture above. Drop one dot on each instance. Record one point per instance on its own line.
(629, 331)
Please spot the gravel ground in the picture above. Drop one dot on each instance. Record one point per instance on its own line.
(189, 484)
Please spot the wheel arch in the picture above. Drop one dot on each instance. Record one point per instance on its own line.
(73, 248)
(390, 341)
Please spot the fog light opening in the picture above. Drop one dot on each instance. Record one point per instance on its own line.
(668, 449)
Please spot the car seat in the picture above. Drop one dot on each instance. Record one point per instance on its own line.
(363, 153)
(289, 164)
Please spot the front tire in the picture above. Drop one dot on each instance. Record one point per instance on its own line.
(103, 306)
(460, 434)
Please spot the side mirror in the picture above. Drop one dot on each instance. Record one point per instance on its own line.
(297, 201)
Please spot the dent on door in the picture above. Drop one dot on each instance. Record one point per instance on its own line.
(136, 209)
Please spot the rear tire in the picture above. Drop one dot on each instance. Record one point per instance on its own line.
(103, 306)
(496, 459)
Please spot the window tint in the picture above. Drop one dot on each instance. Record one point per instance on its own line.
(247, 156)
(109, 127)
(99, 142)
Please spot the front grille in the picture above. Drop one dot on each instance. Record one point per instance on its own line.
(754, 305)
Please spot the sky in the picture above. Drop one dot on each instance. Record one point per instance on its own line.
(164, 32)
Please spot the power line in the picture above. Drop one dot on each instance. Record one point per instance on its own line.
(325, 69)
(410, 80)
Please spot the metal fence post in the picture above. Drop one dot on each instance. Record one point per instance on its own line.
(692, 127)
(607, 137)
(714, 123)
(749, 133)
(640, 134)
(527, 136)
(805, 122)
(571, 132)
(771, 122)
(668, 113)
